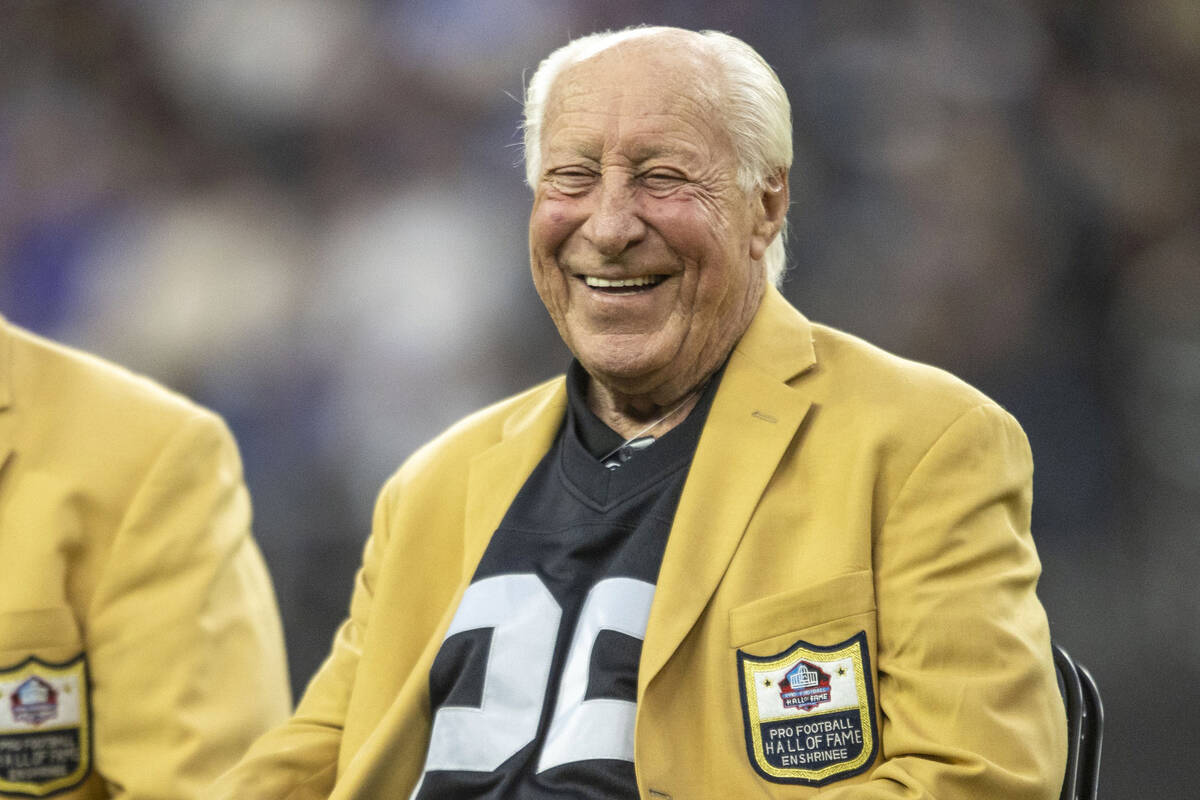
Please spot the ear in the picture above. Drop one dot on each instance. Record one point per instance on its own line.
(770, 210)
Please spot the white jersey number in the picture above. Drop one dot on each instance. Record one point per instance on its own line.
(524, 619)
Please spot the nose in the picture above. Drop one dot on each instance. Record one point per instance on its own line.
(614, 223)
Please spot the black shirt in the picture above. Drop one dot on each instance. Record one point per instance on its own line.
(534, 688)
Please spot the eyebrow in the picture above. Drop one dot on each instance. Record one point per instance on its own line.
(638, 152)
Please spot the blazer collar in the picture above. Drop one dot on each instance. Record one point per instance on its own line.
(779, 339)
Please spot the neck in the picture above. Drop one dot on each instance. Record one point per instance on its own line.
(632, 416)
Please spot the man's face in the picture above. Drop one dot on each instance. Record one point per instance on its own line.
(643, 246)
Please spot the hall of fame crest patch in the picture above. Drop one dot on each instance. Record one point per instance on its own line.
(45, 727)
(809, 711)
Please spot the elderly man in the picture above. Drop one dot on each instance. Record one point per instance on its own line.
(731, 554)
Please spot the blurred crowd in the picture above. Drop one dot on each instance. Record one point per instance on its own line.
(310, 216)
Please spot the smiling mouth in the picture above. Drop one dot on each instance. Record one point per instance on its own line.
(623, 285)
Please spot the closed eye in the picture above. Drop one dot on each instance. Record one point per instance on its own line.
(571, 180)
(661, 180)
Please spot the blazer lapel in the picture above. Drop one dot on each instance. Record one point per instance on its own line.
(751, 424)
(392, 751)
(498, 473)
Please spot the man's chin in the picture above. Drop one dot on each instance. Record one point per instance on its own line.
(659, 379)
(623, 368)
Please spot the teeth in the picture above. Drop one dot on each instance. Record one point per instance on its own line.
(620, 283)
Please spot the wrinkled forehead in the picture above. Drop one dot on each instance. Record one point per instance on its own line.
(673, 67)
(646, 93)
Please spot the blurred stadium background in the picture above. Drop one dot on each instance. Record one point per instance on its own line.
(309, 216)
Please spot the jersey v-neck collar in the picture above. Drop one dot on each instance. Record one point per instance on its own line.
(585, 439)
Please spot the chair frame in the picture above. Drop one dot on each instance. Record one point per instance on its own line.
(1085, 727)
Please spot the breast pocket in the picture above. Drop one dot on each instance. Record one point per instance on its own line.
(50, 634)
(45, 704)
(828, 609)
(803, 662)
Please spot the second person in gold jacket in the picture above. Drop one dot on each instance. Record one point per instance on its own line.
(140, 645)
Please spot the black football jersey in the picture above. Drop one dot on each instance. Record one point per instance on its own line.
(533, 690)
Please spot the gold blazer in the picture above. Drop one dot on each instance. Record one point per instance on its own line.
(839, 497)
(140, 645)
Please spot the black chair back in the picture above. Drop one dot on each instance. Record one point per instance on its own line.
(1085, 727)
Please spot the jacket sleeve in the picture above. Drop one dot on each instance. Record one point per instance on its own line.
(967, 691)
(298, 760)
(185, 647)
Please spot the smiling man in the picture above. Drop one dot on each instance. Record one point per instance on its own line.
(643, 240)
(730, 554)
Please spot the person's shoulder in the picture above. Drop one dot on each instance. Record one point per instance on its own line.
(49, 380)
(839, 370)
(854, 366)
(867, 387)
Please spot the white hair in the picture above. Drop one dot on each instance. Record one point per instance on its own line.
(755, 107)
